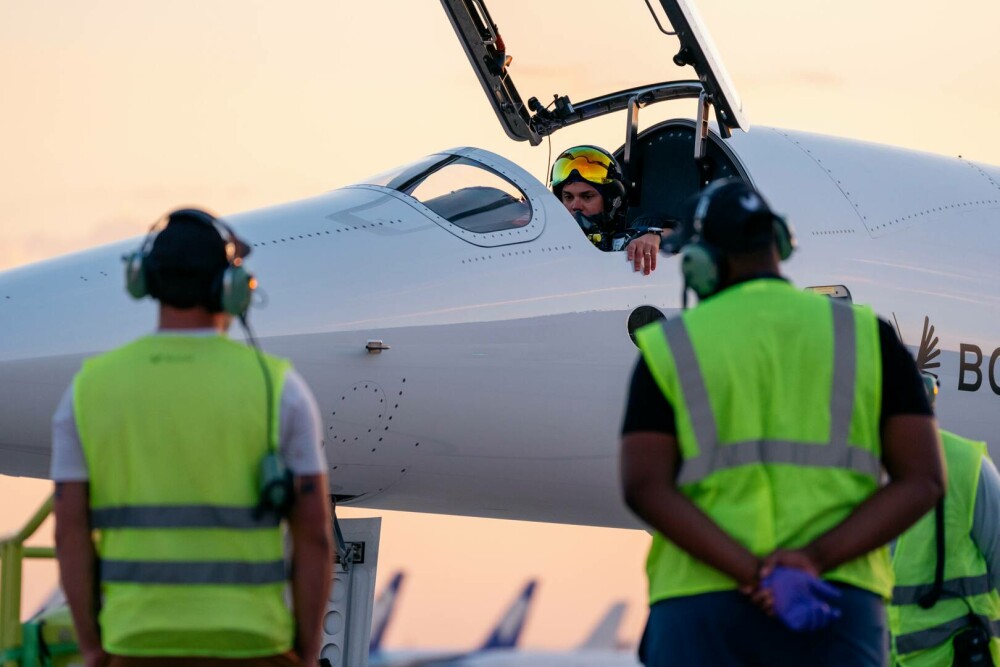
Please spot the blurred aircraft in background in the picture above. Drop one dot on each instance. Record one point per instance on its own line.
(503, 637)
(382, 613)
(601, 648)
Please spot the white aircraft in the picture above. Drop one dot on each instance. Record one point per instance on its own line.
(502, 638)
(470, 349)
(580, 658)
(601, 648)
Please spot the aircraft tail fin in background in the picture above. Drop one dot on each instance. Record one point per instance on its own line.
(604, 636)
(507, 631)
(385, 605)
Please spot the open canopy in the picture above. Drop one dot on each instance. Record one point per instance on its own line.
(531, 119)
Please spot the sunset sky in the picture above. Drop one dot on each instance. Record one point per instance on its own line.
(115, 111)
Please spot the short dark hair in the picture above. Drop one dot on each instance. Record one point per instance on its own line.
(186, 262)
(733, 217)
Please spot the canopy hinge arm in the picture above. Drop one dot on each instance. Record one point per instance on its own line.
(706, 166)
(630, 159)
(657, 19)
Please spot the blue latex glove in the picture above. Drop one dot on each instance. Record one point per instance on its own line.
(802, 602)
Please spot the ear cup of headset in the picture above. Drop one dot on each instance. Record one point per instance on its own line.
(135, 275)
(784, 237)
(236, 291)
(700, 268)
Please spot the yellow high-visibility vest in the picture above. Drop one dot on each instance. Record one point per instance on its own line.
(173, 430)
(923, 636)
(777, 395)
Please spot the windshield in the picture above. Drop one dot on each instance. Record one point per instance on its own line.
(467, 194)
(397, 178)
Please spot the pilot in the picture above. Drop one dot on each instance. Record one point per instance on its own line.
(755, 435)
(945, 605)
(589, 182)
(160, 445)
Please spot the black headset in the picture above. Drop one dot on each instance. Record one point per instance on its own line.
(701, 262)
(230, 291)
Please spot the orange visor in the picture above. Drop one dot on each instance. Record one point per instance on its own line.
(591, 165)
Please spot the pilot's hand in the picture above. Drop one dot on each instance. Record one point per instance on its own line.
(642, 252)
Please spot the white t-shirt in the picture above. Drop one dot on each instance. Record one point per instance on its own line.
(299, 439)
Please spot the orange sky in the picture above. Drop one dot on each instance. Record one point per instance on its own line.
(115, 111)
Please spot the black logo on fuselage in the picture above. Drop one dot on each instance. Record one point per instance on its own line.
(970, 371)
(928, 351)
(970, 361)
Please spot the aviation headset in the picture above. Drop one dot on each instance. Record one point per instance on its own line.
(230, 290)
(613, 192)
(701, 262)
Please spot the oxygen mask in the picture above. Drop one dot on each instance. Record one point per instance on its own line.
(593, 226)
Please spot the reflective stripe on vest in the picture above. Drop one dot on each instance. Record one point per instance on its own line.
(713, 457)
(931, 637)
(959, 587)
(182, 516)
(192, 572)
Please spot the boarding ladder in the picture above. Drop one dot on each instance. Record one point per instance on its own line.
(36, 642)
(47, 642)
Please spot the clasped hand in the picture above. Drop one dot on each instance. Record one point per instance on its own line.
(790, 589)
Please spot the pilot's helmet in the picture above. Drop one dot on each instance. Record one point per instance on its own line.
(593, 165)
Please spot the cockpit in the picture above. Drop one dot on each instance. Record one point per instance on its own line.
(464, 192)
(665, 164)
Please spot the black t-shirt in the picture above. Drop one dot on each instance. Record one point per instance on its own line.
(903, 391)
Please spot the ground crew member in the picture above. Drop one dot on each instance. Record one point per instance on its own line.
(160, 447)
(590, 184)
(755, 432)
(945, 607)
